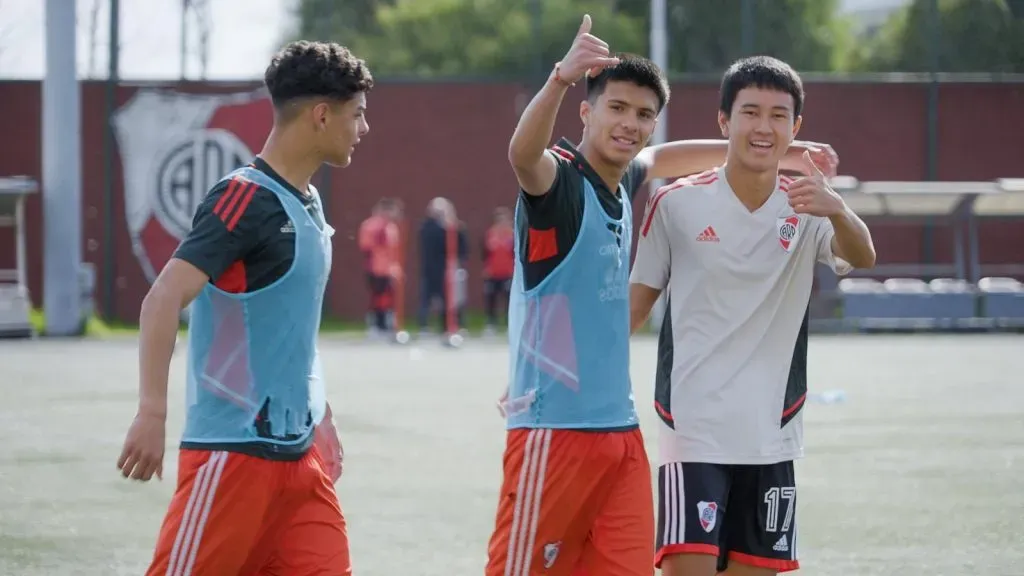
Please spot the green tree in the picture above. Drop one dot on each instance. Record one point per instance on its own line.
(485, 37)
(502, 37)
(337, 20)
(971, 36)
(708, 35)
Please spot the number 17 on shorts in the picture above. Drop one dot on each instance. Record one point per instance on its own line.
(738, 513)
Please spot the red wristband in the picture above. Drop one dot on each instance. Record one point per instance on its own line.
(558, 76)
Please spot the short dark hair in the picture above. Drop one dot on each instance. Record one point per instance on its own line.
(761, 72)
(305, 69)
(631, 68)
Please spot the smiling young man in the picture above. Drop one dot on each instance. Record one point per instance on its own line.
(736, 247)
(259, 453)
(576, 493)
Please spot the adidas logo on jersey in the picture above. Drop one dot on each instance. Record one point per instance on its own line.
(288, 228)
(708, 235)
(782, 545)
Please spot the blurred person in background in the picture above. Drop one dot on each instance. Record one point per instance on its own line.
(259, 451)
(379, 243)
(439, 261)
(499, 264)
(398, 268)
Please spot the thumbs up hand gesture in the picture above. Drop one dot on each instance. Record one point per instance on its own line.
(824, 156)
(588, 53)
(812, 194)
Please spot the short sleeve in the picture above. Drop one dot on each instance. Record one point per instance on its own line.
(550, 209)
(824, 233)
(226, 226)
(366, 237)
(634, 178)
(653, 253)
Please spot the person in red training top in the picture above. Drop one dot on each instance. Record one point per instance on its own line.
(378, 242)
(499, 264)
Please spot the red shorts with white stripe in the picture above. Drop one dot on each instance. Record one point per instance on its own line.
(237, 514)
(574, 502)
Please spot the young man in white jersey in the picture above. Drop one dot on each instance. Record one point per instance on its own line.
(736, 247)
(576, 492)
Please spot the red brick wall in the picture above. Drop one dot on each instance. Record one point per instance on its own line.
(450, 139)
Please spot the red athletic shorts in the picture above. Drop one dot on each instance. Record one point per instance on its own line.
(574, 503)
(234, 514)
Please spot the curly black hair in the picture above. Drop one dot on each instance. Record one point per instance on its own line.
(305, 69)
(760, 72)
(631, 68)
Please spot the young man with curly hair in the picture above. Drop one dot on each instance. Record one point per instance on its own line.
(259, 453)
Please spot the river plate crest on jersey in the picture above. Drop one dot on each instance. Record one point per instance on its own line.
(789, 231)
(173, 148)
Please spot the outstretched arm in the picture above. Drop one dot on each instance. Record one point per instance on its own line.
(685, 157)
(682, 157)
(535, 168)
(824, 159)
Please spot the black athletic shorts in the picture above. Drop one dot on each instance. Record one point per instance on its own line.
(497, 286)
(380, 292)
(379, 285)
(739, 513)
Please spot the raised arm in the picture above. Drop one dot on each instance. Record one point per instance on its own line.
(844, 235)
(535, 168)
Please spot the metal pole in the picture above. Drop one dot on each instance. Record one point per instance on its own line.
(19, 238)
(184, 37)
(932, 122)
(202, 14)
(932, 130)
(747, 27)
(110, 103)
(62, 173)
(659, 55)
(959, 257)
(973, 247)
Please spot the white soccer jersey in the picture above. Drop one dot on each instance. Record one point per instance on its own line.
(732, 355)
